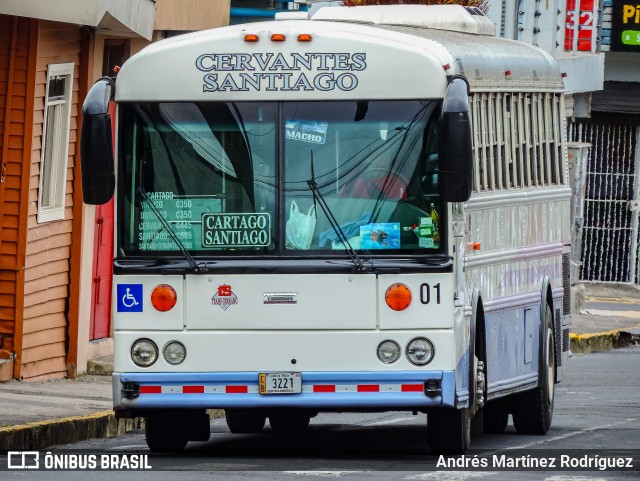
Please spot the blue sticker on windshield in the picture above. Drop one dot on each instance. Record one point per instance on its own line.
(306, 131)
(129, 297)
(380, 236)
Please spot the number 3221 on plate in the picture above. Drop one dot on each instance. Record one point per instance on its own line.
(280, 382)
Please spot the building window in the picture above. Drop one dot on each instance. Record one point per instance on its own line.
(55, 143)
(114, 54)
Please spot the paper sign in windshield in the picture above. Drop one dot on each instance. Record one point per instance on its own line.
(306, 131)
(236, 230)
(380, 236)
(183, 215)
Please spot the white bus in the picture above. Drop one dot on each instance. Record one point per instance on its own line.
(362, 211)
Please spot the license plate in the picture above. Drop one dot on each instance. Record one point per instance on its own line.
(280, 382)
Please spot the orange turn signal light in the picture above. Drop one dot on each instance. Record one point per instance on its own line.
(277, 37)
(398, 297)
(250, 37)
(304, 37)
(473, 246)
(164, 297)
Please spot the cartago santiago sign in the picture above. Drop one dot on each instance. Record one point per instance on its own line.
(244, 72)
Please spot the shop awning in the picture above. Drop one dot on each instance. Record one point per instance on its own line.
(130, 18)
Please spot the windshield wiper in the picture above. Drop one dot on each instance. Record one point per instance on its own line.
(317, 196)
(192, 263)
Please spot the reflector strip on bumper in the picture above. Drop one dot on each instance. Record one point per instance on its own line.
(309, 388)
(320, 390)
(198, 389)
(363, 388)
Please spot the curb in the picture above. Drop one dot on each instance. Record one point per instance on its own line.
(603, 341)
(41, 435)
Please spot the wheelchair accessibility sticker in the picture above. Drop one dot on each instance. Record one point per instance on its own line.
(129, 297)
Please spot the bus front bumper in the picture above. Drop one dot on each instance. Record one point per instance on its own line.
(406, 390)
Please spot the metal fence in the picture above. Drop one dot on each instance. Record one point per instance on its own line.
(611, 241)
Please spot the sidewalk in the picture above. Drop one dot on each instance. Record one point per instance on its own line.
(608, 318)
(37, 415)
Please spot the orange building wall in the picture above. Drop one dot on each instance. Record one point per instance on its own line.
(14, 33)
(48, 249)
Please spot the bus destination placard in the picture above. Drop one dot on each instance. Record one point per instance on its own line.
(183, 214)
(236, 230)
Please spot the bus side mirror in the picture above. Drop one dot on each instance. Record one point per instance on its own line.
(454, 151)
(96, 144)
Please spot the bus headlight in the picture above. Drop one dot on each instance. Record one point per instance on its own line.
(420, 351)
(388, 352)
(174, 352)
(144, 352)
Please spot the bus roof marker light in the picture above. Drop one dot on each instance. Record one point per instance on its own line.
(446, 67)
(507, 73)
(304, 37)
(251, 37)
(164, 297)
(398, 297)
(277, 37)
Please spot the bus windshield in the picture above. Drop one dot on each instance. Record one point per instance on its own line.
(232, 178)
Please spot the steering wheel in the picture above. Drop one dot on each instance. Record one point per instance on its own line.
(373, 182)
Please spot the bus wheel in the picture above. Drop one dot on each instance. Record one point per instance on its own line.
(242, 421)
(533, 410)
(449, 431)
(163, 435)
(289, 422)
(496, 417)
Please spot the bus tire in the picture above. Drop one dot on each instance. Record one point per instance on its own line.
(164, 435)
(449, 430)
(533, 410)
(477, 423)
(244, 421)
(496, 417)
(289, 422)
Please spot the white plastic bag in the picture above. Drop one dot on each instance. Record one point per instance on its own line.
(300, 227)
